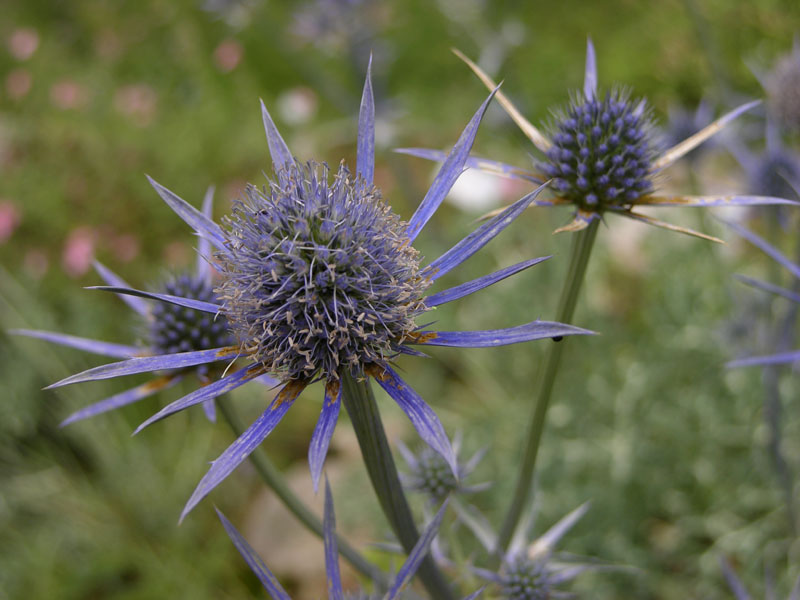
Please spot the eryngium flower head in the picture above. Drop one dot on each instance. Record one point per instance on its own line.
(395, 585)
(531, 571)
(169, 328)
(783, 89)
(319, 274)
(430, 474)
(526, 579)
(602, 152)
(176, 328)
(602, 156)
(319, 280)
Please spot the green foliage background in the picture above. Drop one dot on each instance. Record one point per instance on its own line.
(646, 422)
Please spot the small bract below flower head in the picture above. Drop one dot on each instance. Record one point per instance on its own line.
(602, 151)
(319, 274)
(175, 328)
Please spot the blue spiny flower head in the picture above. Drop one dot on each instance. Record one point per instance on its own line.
(176, 328)
(320, 275)
(169, 329)
(602, 153)
(530, 571)
(526, 579)
(602, 156)
(319, 280)
(432, 476)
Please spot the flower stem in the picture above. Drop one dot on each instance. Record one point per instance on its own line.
(582, 244)
(360, 404)
(275, 481)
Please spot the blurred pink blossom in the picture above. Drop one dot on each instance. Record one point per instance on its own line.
(23, 42)
(36, 263)
(18, 83)
(78, 251)
(228, 55)
(68, 94)
(125, 247)
(137, 101)
(10, 218)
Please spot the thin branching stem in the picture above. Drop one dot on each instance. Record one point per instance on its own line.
(582, 244)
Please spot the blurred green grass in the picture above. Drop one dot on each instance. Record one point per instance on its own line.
(646, 422)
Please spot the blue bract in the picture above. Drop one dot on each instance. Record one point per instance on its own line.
(320, 279)
(602, 158)
(335, 590)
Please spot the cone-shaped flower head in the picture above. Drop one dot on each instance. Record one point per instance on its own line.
(319, 275)
(319, 279)
(601, 154)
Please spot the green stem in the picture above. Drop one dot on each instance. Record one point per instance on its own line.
(582, 244)
(275, 481)
(360, 404)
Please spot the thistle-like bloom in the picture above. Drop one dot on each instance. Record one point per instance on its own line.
(319, 281)
(602, 156)
(738, 589)
(169, 329)
(530, 571)
(335, 591)
(793, 268)
(432, 476)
